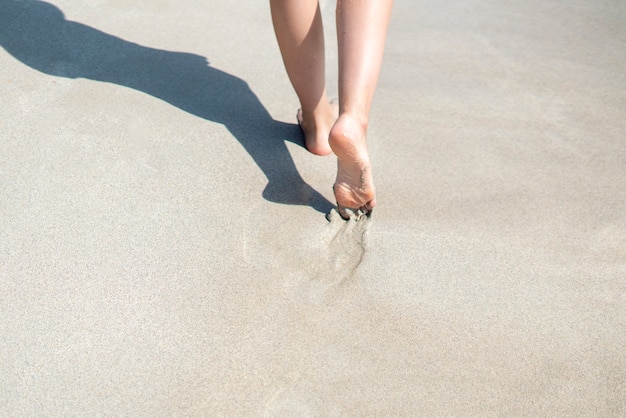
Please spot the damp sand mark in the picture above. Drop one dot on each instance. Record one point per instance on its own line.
(334, 257)
(347, 245)
(311, 260)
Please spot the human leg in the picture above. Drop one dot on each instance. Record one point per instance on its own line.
(361, 32)
(299, 31)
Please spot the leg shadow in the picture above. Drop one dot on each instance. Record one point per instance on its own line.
(37, 34)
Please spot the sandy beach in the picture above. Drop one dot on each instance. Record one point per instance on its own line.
(165, 248)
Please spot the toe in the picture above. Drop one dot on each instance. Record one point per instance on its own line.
(348, 213)
(345, 212)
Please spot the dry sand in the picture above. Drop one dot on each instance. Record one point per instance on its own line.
(164, 249)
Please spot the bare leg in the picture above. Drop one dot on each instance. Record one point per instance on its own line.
(361, 31)
(300, 34)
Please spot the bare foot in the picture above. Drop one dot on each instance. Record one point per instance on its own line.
(354, 186)
(315, 127)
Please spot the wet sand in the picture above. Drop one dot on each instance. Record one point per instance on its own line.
(164, 247)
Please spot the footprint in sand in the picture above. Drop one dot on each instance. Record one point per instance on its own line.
(311, 260)
(346, 245)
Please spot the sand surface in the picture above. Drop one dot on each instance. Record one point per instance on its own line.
(164, 249)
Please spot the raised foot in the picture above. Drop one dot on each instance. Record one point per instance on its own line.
(316, 126)
(354, 185)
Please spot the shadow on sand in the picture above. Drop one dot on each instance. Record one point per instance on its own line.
(37, 34)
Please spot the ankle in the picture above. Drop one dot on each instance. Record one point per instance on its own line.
(360, 119)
